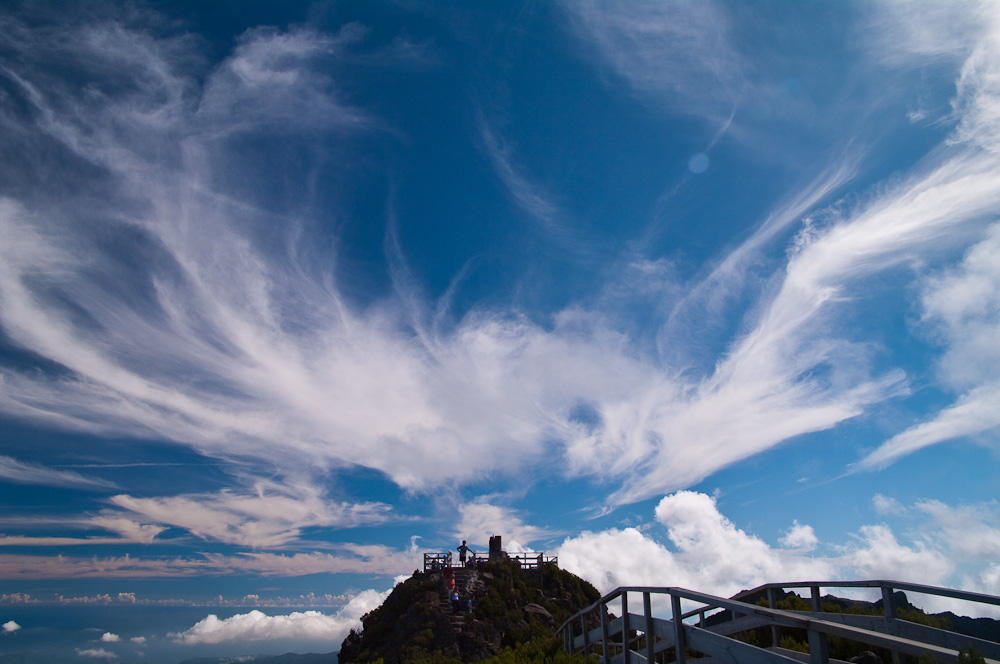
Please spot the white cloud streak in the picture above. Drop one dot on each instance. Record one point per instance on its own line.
(19, 472)
(964, 306)
(678, 52)
(22, 540)
(353, 558)
(127, 530)
(273, 516)
(96, 653)
(527, 194)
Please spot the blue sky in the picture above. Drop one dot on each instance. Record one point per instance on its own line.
(687, 293)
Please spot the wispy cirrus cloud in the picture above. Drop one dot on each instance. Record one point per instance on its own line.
(183, 307)
(272, 80)
(370, 559)
(351, 558)
(273, 516)
(126, 531)
(950, 197)
(528, 195)
(19, 472)
(678, 52)
(707, 303)
(961, 305)
(765, 373)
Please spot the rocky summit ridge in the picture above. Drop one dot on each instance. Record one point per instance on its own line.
(509, 605)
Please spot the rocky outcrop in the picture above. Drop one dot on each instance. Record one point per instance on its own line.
(417, 621)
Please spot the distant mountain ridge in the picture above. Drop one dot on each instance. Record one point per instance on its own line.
(981, 628)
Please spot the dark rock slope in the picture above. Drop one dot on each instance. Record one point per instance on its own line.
(416, 623)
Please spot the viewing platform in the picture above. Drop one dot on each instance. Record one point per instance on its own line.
(527, 560)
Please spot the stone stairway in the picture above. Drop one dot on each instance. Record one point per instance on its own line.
(464, 579)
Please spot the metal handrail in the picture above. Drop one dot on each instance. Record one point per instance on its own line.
(660, 634)
(435, 561)
(526, 559)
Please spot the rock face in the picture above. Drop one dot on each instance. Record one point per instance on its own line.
(417, 623)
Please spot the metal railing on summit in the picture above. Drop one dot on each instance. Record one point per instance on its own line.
(437, 561)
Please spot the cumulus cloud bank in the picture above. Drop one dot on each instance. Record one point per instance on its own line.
(483, 518)
(703, 550)
(306, 625)
(709, 553)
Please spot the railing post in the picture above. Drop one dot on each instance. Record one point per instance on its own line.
(889, 605)
(816, 603)
(772, 602)
(819, 652)
(586, 637)
(604, 634)
(675, 607)
(647, 609)
(626, 641)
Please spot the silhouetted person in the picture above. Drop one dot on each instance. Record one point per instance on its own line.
(463, 551)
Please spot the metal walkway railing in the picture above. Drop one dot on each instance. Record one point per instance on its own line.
(633, 637)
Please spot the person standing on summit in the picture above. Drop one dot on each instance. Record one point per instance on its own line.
(463, 551)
